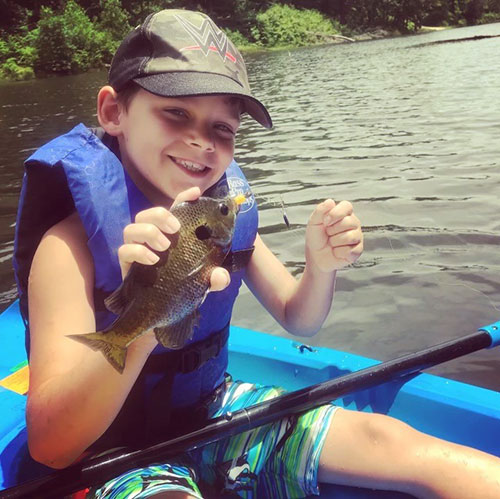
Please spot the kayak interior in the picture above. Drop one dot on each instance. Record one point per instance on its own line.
(447, 409)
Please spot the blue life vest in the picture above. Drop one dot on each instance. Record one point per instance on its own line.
(78, 171)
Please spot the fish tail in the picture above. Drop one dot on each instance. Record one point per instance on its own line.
(115, 354)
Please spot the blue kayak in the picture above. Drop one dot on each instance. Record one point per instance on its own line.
(448, 409)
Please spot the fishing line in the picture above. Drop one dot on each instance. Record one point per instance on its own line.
(438, 283)
(431, 278)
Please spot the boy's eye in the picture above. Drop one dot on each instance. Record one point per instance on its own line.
(225, 129)
(179, 113)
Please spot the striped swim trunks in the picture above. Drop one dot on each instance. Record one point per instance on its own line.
(277, 460)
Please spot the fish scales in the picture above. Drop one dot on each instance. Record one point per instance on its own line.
(165, 296)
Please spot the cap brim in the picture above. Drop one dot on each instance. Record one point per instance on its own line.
(190, 84)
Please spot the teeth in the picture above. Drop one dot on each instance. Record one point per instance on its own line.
(189, 165)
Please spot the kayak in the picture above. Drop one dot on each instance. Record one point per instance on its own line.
(448, 409)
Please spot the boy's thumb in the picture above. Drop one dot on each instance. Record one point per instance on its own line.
(317, 216)
(191, 194)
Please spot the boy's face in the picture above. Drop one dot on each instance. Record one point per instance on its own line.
(170, 144)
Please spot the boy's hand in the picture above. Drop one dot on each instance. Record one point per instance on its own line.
(333, 236)
(150, 230)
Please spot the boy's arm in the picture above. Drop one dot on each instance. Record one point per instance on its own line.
(333, 240)
(74, 392)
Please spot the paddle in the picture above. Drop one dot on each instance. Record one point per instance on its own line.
(97, 471)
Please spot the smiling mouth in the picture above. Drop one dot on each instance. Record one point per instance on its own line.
(189, 165)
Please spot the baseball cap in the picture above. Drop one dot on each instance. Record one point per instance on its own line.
(181, 53)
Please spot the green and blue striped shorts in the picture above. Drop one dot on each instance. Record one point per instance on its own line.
(277, 460)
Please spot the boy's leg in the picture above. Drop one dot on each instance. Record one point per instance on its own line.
(377, 451)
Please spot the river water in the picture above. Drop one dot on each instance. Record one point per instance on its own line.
(406, 129)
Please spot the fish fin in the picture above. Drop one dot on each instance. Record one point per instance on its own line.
(121, 298)
(115, 354)
(176, 335)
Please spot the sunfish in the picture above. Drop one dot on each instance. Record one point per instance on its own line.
(165, 296)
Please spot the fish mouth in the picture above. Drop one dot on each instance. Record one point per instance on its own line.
(190, 166)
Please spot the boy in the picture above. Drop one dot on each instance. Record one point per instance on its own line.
(169, 118)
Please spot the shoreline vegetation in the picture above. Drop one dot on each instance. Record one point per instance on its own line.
(75, 36)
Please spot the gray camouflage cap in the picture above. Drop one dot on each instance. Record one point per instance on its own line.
(181, 53)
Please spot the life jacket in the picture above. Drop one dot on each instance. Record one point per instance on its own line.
(79, 171)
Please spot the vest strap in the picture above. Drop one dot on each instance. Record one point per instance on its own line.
(144, 420)
(237, 259)
(189, 358)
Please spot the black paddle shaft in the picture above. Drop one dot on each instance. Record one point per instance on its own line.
(99, 470)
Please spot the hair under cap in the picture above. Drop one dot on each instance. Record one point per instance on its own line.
(181, 53)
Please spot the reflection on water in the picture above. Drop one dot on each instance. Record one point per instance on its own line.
(408, 131)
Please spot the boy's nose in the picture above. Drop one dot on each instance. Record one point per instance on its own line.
(201, 139)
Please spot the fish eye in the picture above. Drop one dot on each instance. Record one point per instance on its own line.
(223, 209)
(203, 232)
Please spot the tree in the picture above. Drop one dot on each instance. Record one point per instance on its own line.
(67, 40)
(474, 11)
(114, 19)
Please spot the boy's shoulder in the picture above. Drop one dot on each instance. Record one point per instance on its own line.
(70, 227)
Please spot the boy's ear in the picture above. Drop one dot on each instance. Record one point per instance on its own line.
(109, 110)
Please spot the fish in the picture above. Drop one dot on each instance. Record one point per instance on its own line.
(166, 296)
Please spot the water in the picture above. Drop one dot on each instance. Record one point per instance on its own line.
(408, 132)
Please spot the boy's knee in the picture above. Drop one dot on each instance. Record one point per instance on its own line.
(374, 436)
(371, 450)
(387, 433)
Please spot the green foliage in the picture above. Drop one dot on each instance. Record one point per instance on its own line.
(237, 38)
(114, 20)
(490, 17)
(112, 26)
(139, 9)
(238, 15)
(18, 54)
(13, 15)
(437, 13)
(492, 6)
(4, 50)
(401, 15)
(11, 70)
(58, 36)
(474, 11)
(283, 25)
(68, 42)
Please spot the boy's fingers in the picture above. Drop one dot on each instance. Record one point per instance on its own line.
(143, 233)
(350, 222)
(219, 279)
(160, 217)
(348, 253)
(338, 212)
(191, 194)
(316, 237)
(315, 233)
(350, 238)
(319, 212)
(130, 253)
